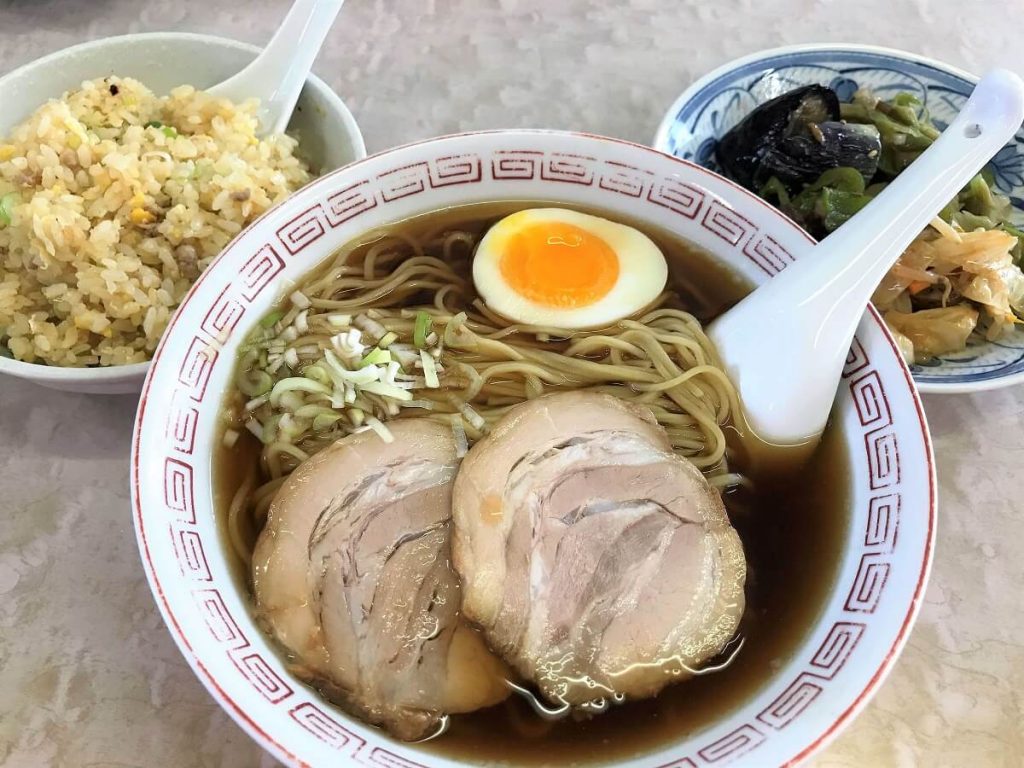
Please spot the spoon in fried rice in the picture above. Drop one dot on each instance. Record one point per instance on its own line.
(277, 75)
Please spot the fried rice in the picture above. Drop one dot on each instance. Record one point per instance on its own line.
(112, 202)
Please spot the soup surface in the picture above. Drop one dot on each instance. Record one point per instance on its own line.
(792, 519)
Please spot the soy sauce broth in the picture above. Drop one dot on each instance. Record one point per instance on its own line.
(792, 528)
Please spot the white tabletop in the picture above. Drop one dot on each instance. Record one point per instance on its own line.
(88, 674)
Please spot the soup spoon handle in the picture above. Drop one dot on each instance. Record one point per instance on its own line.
(786, 343)
(277, 75)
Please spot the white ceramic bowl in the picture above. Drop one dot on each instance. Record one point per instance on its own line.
(706, 110)
(881, 577)
(328, 133)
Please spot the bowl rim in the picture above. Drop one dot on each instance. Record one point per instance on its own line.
(819, 741)
(696, 90)
(42, 372)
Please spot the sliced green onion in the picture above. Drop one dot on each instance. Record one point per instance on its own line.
(230, 438)
(256, 402)
(474, 418)
(422, 327)
(456, 331)
(386, 390)
(291, 428)
(296, 383)
(292, 400)
(378, 426)
(272, 319)
(404, 354)
(311, 411)
(339, 321)
(340, 374)
(7, 203)
(393, 370)
(387, 339)
(154, 124)
(429, 369)
(254, 383)
(323, 422)
(363, 376)
(168, 131)
(318, 374)
(269, 433)
(375, 356)
(368, 325)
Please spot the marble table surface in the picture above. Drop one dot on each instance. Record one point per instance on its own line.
(88, 674)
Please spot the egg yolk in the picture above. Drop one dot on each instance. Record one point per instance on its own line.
(559, 265)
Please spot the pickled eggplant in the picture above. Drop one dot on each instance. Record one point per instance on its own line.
(795, 138)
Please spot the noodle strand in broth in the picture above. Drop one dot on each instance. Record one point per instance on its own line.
(661, 359)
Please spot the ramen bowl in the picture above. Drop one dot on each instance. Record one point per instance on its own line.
(845, 647)
(328, 135)
(710, 107)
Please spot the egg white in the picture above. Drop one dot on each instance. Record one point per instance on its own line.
(642, 271)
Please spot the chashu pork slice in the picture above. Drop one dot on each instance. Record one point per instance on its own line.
(597, 562)
(352, 574)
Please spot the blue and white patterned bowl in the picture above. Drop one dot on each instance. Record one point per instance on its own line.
(717, 102)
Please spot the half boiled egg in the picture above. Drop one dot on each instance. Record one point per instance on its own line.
(556, 267)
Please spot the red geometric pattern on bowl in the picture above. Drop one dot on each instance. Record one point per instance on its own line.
(179, 489)
(728, 748)
(390, 760)
(259, 272)
(677, 197)
(764, 251)
(188, 550)
(326, 728)
(870, 401)
(683, 763)
(303, 230)
(182, 422)
(516, 166)
(196, 367)
(727, 224)
(222, 317)
(223, 627)
(856, 359)
(883, 521)
(625, 179)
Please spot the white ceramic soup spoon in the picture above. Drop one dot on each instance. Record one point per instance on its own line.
(786, 343)
(277, 75)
